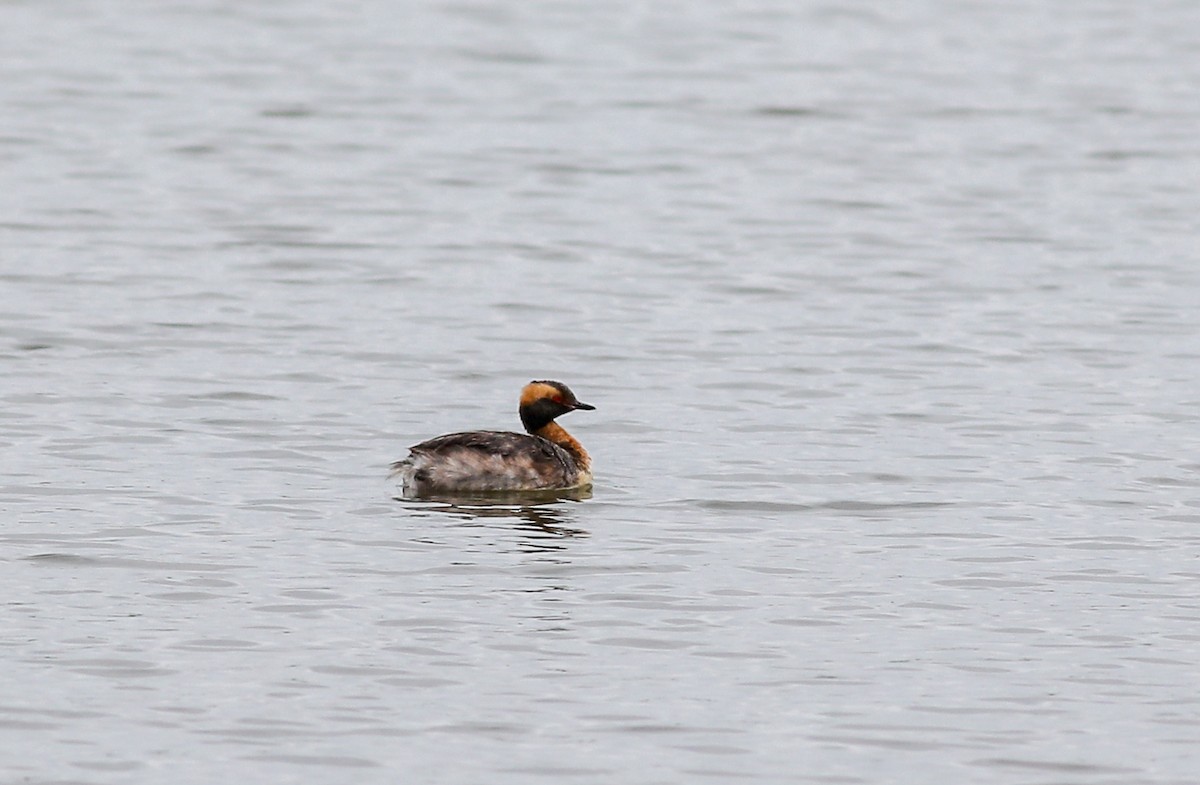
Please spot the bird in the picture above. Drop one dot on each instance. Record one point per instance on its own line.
(546, 457)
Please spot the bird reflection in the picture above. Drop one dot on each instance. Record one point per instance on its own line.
(541, 517)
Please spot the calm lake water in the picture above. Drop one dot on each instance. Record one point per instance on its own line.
(890, 313)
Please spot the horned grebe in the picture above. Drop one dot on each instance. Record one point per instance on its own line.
(546, 458)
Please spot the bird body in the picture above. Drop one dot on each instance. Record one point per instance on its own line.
(544, 458)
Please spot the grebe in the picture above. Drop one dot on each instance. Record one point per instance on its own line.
(545, 458)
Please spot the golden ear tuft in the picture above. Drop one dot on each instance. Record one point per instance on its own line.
(536, 391)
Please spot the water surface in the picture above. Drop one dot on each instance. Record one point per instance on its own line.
(889, 315)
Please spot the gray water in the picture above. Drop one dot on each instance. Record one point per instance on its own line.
(890, 312)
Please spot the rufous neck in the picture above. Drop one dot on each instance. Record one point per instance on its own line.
(554, 432)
